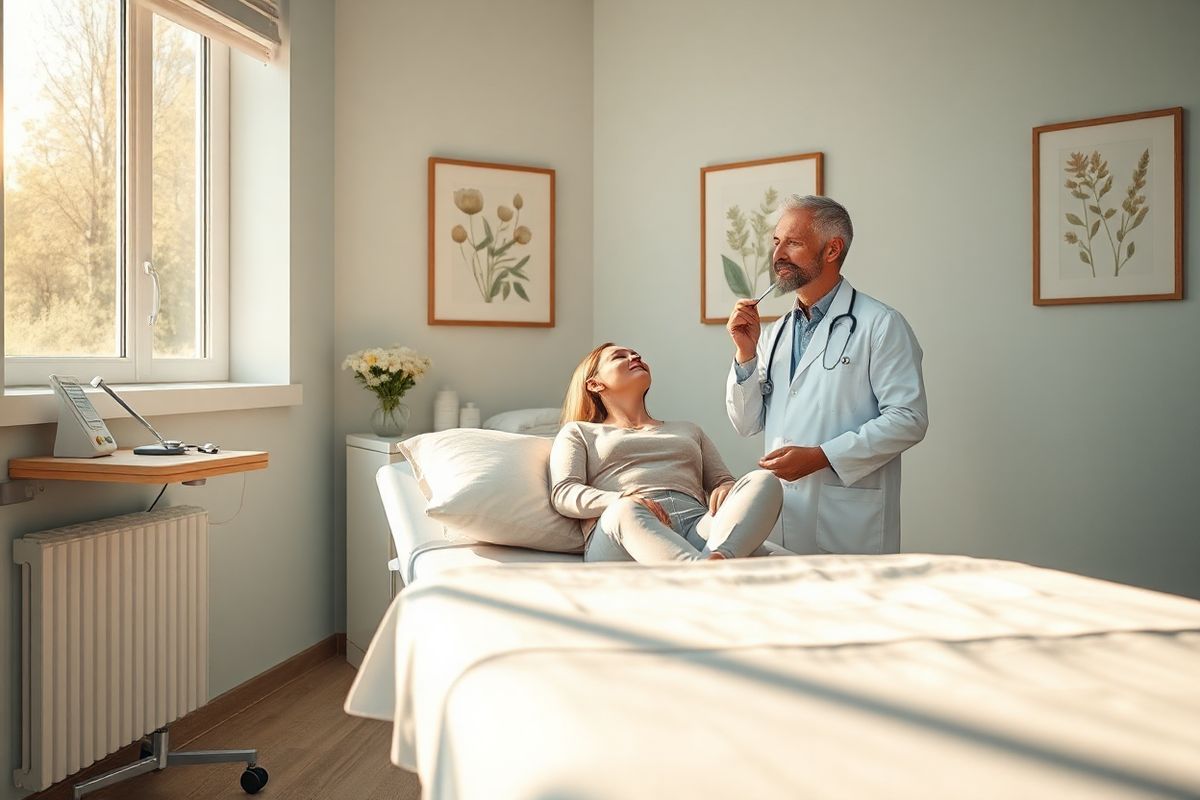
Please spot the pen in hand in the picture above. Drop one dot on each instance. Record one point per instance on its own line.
(770, 288)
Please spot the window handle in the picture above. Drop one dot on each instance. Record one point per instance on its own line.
(149, 268)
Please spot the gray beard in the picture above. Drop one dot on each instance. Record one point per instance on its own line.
(795, 278)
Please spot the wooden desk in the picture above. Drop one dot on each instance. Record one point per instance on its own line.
(124, 467)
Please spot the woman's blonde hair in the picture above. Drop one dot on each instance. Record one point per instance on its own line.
(582, 404)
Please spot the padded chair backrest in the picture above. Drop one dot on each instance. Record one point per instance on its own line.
(405, 508)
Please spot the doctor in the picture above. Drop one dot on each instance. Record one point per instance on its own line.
(836, 384)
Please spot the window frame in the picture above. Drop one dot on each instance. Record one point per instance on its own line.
(135, 226)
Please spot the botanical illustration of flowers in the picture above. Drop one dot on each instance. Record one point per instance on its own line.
(750, 241)
(494, 264)
(1089, 181)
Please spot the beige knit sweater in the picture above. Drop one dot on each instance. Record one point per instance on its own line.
(592, 465)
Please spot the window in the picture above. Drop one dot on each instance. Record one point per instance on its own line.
(115, 194)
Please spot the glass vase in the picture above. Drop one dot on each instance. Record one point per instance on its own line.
(390, 421)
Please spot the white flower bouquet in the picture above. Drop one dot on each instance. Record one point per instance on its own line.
(388, 372)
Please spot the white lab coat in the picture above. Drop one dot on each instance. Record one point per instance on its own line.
(863, 414)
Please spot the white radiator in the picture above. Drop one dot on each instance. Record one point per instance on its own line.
(114, 636)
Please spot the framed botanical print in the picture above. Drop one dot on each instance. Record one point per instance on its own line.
(739, 206)
(1108, 209)
(491, 244)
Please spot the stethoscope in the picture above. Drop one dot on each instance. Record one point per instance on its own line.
(767, 385)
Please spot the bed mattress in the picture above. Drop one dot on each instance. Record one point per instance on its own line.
(434, 558)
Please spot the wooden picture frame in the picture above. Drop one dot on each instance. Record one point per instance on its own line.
(1095, 182)
(724, 190)
(491, 244)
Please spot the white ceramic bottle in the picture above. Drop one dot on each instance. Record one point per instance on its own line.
(469, 416)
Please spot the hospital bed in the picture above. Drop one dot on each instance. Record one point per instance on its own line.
(519, 674)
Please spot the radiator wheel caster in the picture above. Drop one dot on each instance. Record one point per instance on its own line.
(254, 779)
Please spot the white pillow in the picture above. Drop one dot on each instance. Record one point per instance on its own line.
(543, 430)
(491, 486)
(523, 419)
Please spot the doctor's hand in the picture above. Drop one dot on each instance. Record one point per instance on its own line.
(718, 495)
(744, 327)
(794, 463)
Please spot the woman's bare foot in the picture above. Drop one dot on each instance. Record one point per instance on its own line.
(715, 555)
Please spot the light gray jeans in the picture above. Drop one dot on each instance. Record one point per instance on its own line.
(628, 531)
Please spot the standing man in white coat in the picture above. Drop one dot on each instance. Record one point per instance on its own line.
(836, 384)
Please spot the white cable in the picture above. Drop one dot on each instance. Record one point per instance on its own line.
(241, 500)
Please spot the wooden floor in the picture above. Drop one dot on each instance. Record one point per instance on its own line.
(307, 743)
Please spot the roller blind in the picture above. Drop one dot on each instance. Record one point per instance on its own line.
(251, 26)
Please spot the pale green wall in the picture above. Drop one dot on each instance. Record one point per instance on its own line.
(270, 575)
(504, 82)
(1061, 436)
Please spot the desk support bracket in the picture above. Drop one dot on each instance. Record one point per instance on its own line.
(19, 491)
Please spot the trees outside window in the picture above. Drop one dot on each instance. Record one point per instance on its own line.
(107, 120)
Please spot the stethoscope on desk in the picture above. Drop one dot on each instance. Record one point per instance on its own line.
(766, 386)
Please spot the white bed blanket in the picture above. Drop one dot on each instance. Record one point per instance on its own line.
(829, 676)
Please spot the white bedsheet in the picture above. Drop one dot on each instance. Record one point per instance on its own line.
(829, 676)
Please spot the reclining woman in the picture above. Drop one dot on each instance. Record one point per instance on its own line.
(649, 491)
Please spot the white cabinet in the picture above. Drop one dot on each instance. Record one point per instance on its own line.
(369, 587)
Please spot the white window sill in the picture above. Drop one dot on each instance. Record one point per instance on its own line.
(33, 405)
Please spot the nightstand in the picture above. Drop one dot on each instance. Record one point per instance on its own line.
(370, 586)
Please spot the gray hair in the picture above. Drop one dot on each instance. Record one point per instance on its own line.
(830, 218)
